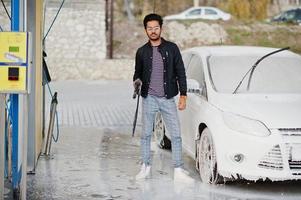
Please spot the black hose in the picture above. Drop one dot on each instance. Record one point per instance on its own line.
(54, 20)
(55, 101)
(6, 10)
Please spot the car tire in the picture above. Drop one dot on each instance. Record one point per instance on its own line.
(206, 159)
(159, 133)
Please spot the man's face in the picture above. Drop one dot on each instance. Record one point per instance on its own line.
(153, 30)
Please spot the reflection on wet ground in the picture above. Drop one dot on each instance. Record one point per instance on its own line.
(101, 164)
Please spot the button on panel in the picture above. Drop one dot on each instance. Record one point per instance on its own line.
(13, 73)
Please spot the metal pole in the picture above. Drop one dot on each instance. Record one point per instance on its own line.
(14, 98)
(196, 3)
(24, 108)
(111, 29)
(9, 146)
(19, 114)
(23, 111)
(23, 183)
(107, 15)
(51, 124)
(2, 148)
(154, 6)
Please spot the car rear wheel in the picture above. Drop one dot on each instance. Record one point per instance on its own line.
(159, 133)
(207, 159)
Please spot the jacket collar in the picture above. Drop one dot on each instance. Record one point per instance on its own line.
(163, 41)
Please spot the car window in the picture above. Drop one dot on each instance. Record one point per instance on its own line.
(298, 14)
(195, 12)
(290, 15)
(210, 12)
(195, 70)
(186, 59)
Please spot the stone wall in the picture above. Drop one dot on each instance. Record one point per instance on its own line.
(77, 39)
(195, 34)
(4, 20)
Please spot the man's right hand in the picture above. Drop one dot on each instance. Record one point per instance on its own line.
(137, 83)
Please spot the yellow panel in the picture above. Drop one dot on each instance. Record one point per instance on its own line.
(13, 53)
(13, 47)
(8, 85)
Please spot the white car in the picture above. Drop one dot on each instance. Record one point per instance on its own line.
(209, 13)
(243, 114)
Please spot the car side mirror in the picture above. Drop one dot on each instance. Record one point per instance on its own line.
(193, 86)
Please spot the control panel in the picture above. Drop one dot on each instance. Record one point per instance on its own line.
(14, 62)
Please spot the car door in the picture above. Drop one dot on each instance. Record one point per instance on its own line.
(186, 60)
(190, 116)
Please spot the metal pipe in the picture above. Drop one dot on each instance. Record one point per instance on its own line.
(107, 16)
(111, 29)
(19, 106)
(23, 182)
(8, 141)
(25, 106)
(9, 147)
(2, 148)
(51, 124)
(14, 99)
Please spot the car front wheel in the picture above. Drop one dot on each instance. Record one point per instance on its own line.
(207, 159)
(159, 133)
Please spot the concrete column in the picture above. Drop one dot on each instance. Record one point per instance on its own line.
(34, 25)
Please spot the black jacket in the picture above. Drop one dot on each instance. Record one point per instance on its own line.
(174, 71)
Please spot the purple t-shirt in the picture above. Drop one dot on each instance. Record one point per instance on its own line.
(156, 83)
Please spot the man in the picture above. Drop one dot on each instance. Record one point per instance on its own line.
(160, 72)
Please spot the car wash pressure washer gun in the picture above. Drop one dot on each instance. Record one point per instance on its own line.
(137, 92)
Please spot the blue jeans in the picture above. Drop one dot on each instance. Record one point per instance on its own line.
(150, 106)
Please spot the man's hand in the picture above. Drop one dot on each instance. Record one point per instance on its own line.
(137, 86)
(137, 83)
(182, 102)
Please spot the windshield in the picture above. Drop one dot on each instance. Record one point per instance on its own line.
(273, 75)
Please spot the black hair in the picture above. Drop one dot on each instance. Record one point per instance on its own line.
(152, 17)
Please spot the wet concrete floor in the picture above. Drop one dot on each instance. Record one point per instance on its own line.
(99, 160)
(101, 164)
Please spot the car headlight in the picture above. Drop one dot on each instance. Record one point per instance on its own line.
(245, 125)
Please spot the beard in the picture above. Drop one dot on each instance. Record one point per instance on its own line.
(154, 37)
